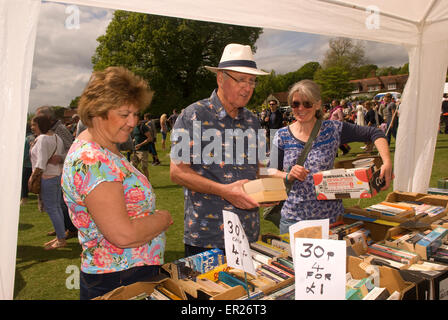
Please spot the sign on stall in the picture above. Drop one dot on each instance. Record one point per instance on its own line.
(318, 229)
(238, 254)
(320, 269)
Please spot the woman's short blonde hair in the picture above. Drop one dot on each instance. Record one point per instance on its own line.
(110, 89)
(310, 90)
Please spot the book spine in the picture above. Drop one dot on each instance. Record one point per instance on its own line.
(287, 270)
(275, 271)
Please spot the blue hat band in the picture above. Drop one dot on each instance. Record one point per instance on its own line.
(238, 63)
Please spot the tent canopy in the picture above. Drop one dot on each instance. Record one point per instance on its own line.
(419, 26)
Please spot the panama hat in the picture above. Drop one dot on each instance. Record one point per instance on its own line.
(239, 58)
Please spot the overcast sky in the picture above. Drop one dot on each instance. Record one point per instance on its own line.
(62, 58)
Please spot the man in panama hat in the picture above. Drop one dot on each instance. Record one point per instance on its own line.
(210, 166)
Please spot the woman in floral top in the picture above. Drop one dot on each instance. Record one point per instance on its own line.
(110, 202)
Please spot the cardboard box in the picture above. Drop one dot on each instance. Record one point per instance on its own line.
(435, 283)
(442, 183)
(266, 190)
(435, 200)
(378, 228)
(347, 164)
(389, 278)
(377, 215)
(429, 244)
(138, 288)
(346, 183)
(440, 191)
(190, 267)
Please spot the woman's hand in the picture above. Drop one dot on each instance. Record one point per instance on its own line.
(387, 174)
(298, 172)
(165, 217)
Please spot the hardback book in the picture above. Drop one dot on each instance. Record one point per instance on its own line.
(266, 190)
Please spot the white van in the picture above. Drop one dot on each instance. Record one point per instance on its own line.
(379, 96)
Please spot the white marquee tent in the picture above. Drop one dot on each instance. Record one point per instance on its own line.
(418, 25)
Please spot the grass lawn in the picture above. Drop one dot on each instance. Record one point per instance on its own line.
(52, 275)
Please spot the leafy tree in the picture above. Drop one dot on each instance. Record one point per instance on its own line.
(344, 53)
(170, 53)
(74, 103)
(364, 71)
(334, 82)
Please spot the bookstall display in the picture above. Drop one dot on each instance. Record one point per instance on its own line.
(399, 262)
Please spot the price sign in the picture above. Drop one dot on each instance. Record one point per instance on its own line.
(320, 269)
(237, 246)
(308, 229)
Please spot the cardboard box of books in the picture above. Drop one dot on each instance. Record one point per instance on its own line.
(347, 183)
(388, 278)
(348, 164)
(428, 208)
(190, 267)
(424, 242)
(164, 289)
(378, 228)
(266, 190)
(442, 183)
(384, 211)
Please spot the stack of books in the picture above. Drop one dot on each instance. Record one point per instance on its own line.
(392, 253)
(390, 208)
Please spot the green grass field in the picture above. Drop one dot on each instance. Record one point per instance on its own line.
(51, 275)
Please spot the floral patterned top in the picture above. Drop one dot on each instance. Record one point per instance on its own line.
(302, 203)
(86, 166)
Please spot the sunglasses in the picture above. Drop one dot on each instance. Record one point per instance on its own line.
(305, 104)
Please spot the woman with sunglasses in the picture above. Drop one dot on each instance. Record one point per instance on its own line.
(302, 204)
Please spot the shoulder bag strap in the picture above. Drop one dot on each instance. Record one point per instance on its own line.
(309, 143)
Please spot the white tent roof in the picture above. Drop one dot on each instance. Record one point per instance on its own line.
(418, 25)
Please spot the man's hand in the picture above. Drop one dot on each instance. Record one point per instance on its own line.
(235, 194)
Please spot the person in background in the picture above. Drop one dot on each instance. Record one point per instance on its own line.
(67, 138)
(163, 129)
(112, 204)
(391, 116)
(142, 137)
(337, 114)
(46, 145)
(172, 118)
(273, 119)
(27, 166)
(444, 114)
(213, 187)
(302, 204)
(152, 144)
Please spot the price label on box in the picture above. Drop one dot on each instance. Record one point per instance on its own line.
(320, 269)
(238, 253)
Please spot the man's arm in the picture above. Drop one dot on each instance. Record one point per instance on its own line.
(184, 175)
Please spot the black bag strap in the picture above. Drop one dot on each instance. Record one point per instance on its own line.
(306, 150)
(309, 143)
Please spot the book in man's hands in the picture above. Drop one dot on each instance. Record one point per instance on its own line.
(266, 190)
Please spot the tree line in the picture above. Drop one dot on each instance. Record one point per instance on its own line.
(170, 53)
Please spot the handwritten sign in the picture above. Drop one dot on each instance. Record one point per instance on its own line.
(320, 269)
(238, 253)
(318, 229)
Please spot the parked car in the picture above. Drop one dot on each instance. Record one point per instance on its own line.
(379, 96)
